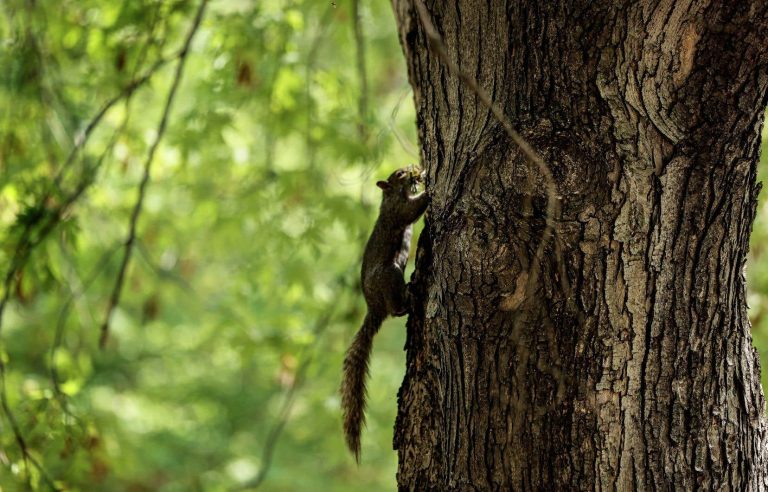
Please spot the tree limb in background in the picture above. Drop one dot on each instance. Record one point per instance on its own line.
(25, 453)
(114, 298)
(79, 290)
(26, 245)
(41, 224)
(315, 44)
(75, 292)
(553, 204)
(48, 219)
(285, 410)
(127, 91)
(362, 102)
(290, 394)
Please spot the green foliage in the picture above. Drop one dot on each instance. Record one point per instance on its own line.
(241, 294)
(242, 291)
(757, 268)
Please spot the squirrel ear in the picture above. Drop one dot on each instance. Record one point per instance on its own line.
(384, 185)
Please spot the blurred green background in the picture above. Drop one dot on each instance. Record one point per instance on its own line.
(241, 294)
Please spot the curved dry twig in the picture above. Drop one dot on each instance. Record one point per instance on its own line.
(405, 144)
(529, 277)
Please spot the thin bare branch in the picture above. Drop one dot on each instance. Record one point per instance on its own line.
(162, 273)
(405, 144)
(275, 432)
(315, 44)
(16, 429)
(49, 220)
(127, 91)
(36, 230)
(114, 298)
(76, 292)
(307, 357)
(362, 102)
(530, 276)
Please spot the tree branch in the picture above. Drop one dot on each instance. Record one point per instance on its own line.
(285, 410)
(116, 291)
(47, 221)
(50, 219)
(75, 292)
(20, 441)
(362, 102)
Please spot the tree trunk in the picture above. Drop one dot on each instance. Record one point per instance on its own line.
(622, 358)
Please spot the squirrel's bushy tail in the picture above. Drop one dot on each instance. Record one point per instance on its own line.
(353, 392)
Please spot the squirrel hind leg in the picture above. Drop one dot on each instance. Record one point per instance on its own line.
(395, 297)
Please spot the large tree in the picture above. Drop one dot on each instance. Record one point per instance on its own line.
(610, 349)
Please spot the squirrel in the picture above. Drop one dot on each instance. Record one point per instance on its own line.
(384, 288)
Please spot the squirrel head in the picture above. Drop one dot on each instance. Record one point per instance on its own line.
(402, 183)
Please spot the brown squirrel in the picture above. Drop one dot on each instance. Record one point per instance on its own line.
(386, 254)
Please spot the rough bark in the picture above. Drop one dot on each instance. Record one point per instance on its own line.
(628, 363)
